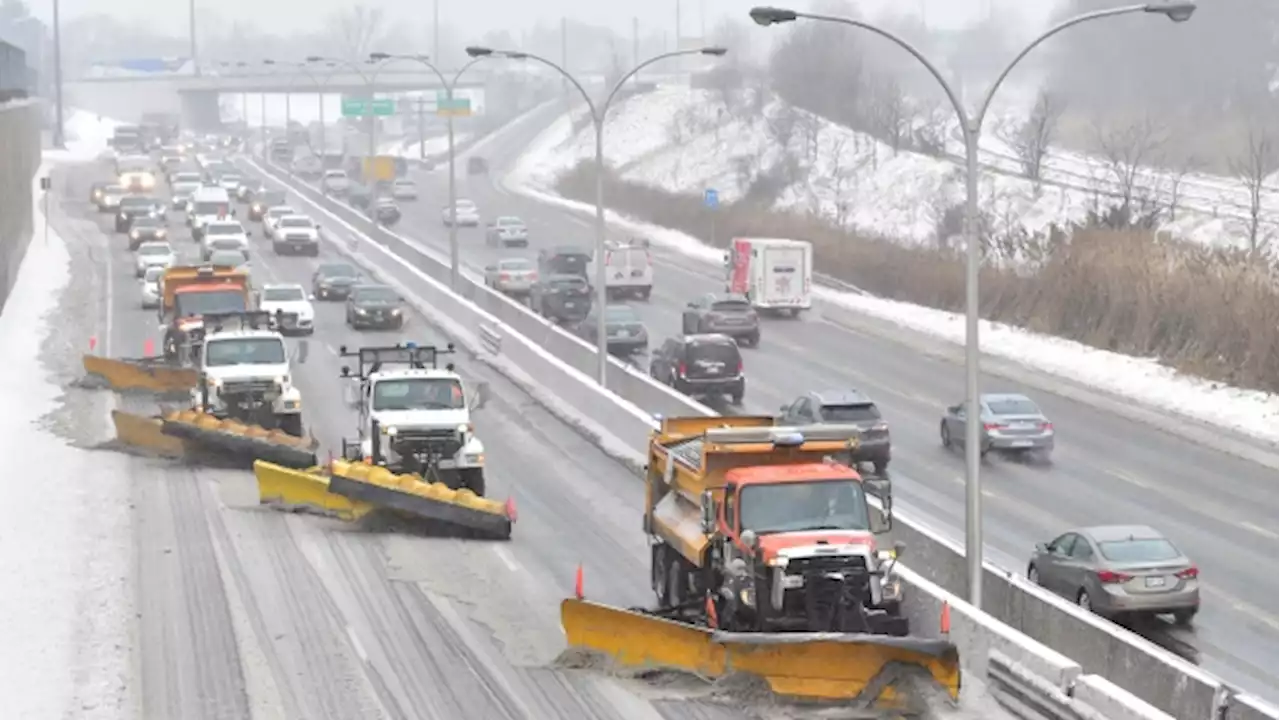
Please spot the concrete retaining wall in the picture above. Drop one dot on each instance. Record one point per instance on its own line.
(19, 160)
(1042, 632)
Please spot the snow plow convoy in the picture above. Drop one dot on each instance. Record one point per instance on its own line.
(764, 561)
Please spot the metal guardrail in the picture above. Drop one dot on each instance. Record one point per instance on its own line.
(492, 339)
(1028, 696)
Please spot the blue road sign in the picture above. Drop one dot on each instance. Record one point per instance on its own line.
(711, 198)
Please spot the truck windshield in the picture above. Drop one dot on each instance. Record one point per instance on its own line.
(199, 303)
(796, 506)
(418, 394)
(244, 351)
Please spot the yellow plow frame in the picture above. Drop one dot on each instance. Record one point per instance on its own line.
(828, 667)
(147, 374)
(189, 433)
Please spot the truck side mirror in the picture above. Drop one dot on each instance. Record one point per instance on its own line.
(480, 397)
(708, 513)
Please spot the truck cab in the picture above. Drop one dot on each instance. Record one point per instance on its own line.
(188, 294)
(774, 274)
(415, 417)
(768, 524)
(245, 374)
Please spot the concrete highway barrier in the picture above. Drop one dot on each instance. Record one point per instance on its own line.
(1033, 628)
(20, 139)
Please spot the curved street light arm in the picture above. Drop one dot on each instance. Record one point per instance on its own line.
(981, 112)
(514, 55)
(604, 109)
(915, 52)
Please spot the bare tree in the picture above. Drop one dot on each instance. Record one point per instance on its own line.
(357, 31)
(810, 127)
(1252, 167)
(1032, 140)
(782, 126)
(841, 174)
(1126, 150)
(933, 119)
(887, 112)
(1177, 174)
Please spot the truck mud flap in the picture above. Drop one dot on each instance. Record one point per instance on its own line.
(146, 433)
(239, 443)
(408, 495)
(154, 375)
(849, 669)
(304, 491)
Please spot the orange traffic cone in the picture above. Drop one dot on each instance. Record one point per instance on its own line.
(713, 620)
(577, 583)
(512, 514)
(93, 342)
(148, 348)
(944, 622)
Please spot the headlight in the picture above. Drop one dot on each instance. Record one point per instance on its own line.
(395, 311)
(161, 232)
(361, 311)
(134, 234)
(215, 382)
(475, 459)
(389, 431)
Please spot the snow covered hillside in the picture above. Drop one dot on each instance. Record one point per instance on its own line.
(687, 140)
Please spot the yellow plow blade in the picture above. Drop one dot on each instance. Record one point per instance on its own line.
(146, 433)
(239, 442)
(140, 374)
(826, 667)
(305, 490)
(433, 502)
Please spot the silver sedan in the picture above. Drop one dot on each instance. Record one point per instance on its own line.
(1119, 570)
(511, 276)
(1011, 424)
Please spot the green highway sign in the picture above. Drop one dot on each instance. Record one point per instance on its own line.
(458, 107)
(359, 107)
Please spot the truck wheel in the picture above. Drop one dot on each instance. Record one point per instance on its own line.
(658, 573)
(473, 480)
(291, 424)
(675, 581)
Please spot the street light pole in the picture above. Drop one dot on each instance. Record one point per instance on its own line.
(598, 115)
(971, 129)
(59, 130)
(369, 83)
(449, 85)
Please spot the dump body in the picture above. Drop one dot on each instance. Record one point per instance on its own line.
(180, 280)
(688, 456)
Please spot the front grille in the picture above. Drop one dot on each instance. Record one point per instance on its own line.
(442, 442)
(827, 563)
(298, 238)
(248, 387)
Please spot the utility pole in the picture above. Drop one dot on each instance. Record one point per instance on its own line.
(59, 139)
(564, 52)
(635, 45)
(435, 30)
(191, 29)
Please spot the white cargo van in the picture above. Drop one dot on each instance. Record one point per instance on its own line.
(628, 269)
(208, 204)
(775, 274)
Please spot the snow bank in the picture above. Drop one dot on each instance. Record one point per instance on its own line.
(1251, 412)
(65, 651)
(685, 140)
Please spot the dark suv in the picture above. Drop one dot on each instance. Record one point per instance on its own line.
(845, 407)
(730, 315)
(563, 298)
(702, 366)
(136, 206)
(564, 260)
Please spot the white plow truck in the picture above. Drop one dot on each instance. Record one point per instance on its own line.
(245, 374)
(415, 417)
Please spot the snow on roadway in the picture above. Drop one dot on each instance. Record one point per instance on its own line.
(631, 136)
(64, 533)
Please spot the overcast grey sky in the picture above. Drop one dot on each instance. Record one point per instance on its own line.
(476, 16)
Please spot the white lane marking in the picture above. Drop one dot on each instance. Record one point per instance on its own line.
(1249, 609)
(355, 643)
(1260, 530)
(505, 556)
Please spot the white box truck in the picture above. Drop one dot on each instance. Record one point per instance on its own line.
(774, 274)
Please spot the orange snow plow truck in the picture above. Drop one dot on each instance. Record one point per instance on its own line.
(764, 562)
(186, 295)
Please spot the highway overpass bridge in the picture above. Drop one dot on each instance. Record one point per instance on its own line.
(196, 98)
